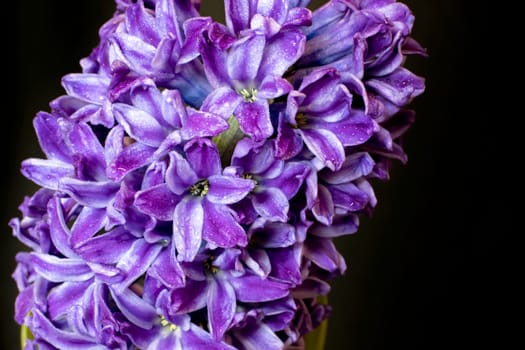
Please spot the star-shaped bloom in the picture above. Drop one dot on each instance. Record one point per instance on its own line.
(196, 197)
(276, 181)
(320, 116)
(217, 282)
(247, 75)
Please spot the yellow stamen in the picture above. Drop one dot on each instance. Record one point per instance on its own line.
(167, 324)
(249, 177)
(200, 188)
(300, 120)
(248, 94)
(209, 266)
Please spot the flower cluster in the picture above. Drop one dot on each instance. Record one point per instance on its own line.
(196, 173)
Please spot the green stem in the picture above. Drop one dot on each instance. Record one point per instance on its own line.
(227, 140)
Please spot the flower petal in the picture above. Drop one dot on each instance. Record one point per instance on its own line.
(254, 119)
(46, 173)
(166, 341)
(179, 175)
(254, 157)
(227, 189)
(89, 193)
(139, 124)
(273, 87)
(299, 16)
(220, 227)
(325, 146)
(136, 261)
(271, 203)
(203, 156)
(24, 302)
(197, 338)
(87, 152)
(214, 60)
(132, 51)
(324, 254)
(341, 225)
(291, 178)
(57, 269)
(221, 307)
(348, 196)
(288, 143)
(157, 201)
(254, 289)
(258, 261)
(222, 101)
(42, 328)
(244, 58)
(259, 336)
(193, 29)
(130, 158)
(264, 25)
(188, 222)
(89, 222)
(286, 264)
(323, 91)
(356, 165)
(134, 308)
(311, 287)
(268, 234)
(203, 124)
(140, 23)
(147, 98)
(154, 175)
(190, 297)
(237, 14)
(107, 248)
(58, 230)
(400, 87)
(89, 87)
(351, 131)
(275, 9)
(323, 208)
(49, 134)
(64, 295)
(167, 270)
(281, 51)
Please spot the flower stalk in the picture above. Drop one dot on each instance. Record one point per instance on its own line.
(227, 140)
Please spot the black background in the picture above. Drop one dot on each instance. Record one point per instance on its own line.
(420, 272)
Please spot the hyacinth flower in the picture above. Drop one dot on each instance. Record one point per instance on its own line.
(196, 175)
(319, 115)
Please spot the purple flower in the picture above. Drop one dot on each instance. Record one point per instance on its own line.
(276, 182)
(368, 51)
(196, 175)
(264, 325)
(159, 121)
(320, 116)
(248, 74)
(309, 316)
(268, 16)
(218, 282)
(169, 331)
(344, 191)
(196, 197)
(274, 251)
